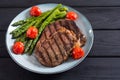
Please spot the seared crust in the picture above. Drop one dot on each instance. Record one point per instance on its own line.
(57, 41)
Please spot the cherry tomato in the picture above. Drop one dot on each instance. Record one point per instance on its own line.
(18, 48)
(35, 11)
(71, 15)
(77, 53)
(32, 32)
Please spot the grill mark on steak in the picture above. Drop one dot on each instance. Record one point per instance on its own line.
(45, 56)
(56, 47)
(70, 26)
(63, 23)
(61, 42)
(52, 44)
(43, 44)
(49, 42)
(66, 25)
(40, 57)
(70, 42)
(49, 49)
(58, 53)
(76, 30)
(65, 41)
(58, 41)
(64, 37)
(60, 38)
(61, 47)
(47, 33)
(42, 38)
(51, 54)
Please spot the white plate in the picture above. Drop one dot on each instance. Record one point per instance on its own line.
(30, 63)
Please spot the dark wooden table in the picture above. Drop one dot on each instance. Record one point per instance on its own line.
(103, 61)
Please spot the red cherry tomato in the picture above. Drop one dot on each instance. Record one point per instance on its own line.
(35, 11)
(18, 48)
(77, 53)
(72, 15)
(32, 32)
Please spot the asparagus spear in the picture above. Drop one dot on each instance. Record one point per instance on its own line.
(27, 45)
(21, 22)
(17, 29)
(17, 32)
(44, 19)
(37, 25)
(21, 38)
(54, 15)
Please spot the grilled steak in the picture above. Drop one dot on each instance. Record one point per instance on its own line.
(71, 25)
(57, 41)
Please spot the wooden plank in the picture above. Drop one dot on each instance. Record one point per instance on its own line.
(89, 69)
(106, 43)
(7, 14)
(2, 38)
(3, 48)
(100, 17)
(27, 3)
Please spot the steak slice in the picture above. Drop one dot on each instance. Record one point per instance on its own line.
(56, 46)
(71, 25)
(56, 42)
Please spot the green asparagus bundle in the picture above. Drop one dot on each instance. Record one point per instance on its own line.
(40, 23)
(21, 22)
(29, 22)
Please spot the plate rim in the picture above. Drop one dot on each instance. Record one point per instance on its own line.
(92, 41)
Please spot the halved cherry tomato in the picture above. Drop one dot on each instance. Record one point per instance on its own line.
(71, 15)
(77, 52)
(35, 11)
(18, 48)
(32, 32)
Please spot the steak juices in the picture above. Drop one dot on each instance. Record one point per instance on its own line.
(57, 41)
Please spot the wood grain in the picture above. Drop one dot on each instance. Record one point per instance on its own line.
(107, 42)
(7, 14)
(89, 69)
(100, 17)
(102, 63)
(27, 3)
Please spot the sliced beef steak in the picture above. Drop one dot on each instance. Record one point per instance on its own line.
(71, 25)
(56, 42)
